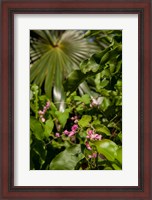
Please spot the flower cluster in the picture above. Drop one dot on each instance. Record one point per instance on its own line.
(94, 155)
(93, 136)
(42, 112)
(57, 135)
(88, 146)
(75, 119)
(96, 102)
(72, 131)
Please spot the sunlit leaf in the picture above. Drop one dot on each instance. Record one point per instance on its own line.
(85, 120)
(68, 159)
(48, 127)
(108, 148)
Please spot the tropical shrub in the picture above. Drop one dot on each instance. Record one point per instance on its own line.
(85, 133)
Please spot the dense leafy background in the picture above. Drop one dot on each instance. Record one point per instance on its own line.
(76, 100)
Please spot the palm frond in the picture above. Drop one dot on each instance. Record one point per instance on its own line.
(55, 54)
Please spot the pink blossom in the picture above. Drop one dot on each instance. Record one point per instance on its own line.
(71, 133)
(74, 127)
(43, 119)
(41, 112)
(57, 135)
(94, 155)
(90, 132)
(88, 146)
(66, 132)
(98, 137)
(75, 117)
(72, 118)
(76, 121)
(91, 135)
(47, 104)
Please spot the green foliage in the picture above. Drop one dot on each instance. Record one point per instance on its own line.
(54, 54)
(36, 128)
(76, 100)
(48, 127)
(62, 117)
(68, 159)
(84, 121)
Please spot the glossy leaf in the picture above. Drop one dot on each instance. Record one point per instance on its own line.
(84, 121)
(62, 117)
(102, 129)
(48, 127)
(108, 148)
(119, 155)
(105, 104)
(36, 128)
(68, 159)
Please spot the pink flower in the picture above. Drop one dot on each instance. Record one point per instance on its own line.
(90, 132)
(57, 135)
(43, 119)
(71, 133)
(72, 118)
(47, 104)
(88, 146)
(66, 132)
(41, 112)
(91, 135)
(94, 155)
(74, 127)
(76, 121)
(98, 137)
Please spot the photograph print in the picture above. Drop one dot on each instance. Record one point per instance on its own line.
(76, 100)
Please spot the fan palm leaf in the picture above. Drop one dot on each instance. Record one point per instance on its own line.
(54, 54)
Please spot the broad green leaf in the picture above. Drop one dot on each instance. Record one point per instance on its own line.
(85, 120)
(37, 154)
(105, 103)
(102, 129)
(104, 83)
(108, 148)
(68, 159)
(36, 128)
(80, 109)
(48, 127)
(119, 155)
(116, 167)
(53, 107)
(62, 117)
(77, 98)
(86, 99)
(89, 65)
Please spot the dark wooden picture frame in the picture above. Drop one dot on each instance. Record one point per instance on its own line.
(11, 7)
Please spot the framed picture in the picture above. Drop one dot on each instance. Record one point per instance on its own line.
(75, 103)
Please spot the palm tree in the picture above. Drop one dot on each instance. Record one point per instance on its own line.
(54, 54)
